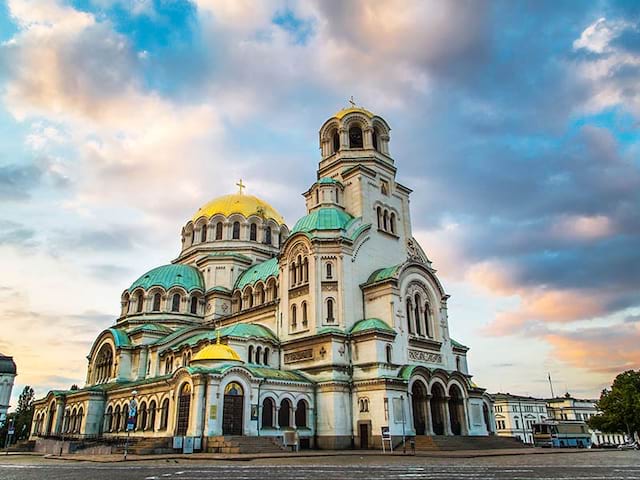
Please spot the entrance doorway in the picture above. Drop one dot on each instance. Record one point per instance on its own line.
(364, 435)
(418, 403)
(184, 406)
(437, 409)
(232, 409)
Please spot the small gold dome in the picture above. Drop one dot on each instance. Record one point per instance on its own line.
(216, 351)
(345, 111)
(246, 205)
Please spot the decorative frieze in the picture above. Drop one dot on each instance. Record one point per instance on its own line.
(420, 356)
(299, 356)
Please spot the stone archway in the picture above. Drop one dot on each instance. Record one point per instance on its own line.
(419, 407)
(456, 411)
(233, 409)
(438, 409)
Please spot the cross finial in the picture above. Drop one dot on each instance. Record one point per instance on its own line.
(218, 337)
(352, 101)
(240, 186)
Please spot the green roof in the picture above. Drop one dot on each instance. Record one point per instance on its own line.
(371, 324)
(328, 180)
(151, 327)
(168, 276)
(383, 274)
(120, 338)
(326, 218)
(261, 271)
(248, 330)
(219, 288)
(458, 344)
(195, 339)
(323, 330)
(256, 371)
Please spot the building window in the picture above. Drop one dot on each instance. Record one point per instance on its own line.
(301, 414)
(330, 314)
(379, 212)
(417, 316)
(329, 271)
(267, 236)
(253, 232)
(284, 414)
(304, 315)
(392, 222)
(336, 141)
(266, 356)
(194, 305)
(458, 364)
(355, 137)
(164, 414)
(294, 320)
(258, 355)
(203, 233)
(389, 357)
(140, 303)
(427, 321)
(408, 308)
(375, 138)
(156, 302)
(175, 302)
(305, 270)
(363, 404)
(267, 412)
(219, 231)
(236, 230)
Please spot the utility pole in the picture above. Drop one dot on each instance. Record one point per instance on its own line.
(551, 386)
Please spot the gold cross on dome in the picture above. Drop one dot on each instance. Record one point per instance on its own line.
(352, 101)
(240, 186)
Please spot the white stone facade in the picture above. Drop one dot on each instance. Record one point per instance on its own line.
(340, 323)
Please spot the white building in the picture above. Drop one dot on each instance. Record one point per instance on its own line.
(333, 328)
(515, 415)
(8, 374)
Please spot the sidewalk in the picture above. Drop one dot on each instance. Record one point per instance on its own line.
(230, 457)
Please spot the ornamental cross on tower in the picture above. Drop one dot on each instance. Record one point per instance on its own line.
(240, 186)
(352, 101)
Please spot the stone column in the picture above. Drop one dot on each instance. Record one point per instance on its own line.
(196, 416)
(429, 427)
(367, 140)
(447, 416)
(344, 138)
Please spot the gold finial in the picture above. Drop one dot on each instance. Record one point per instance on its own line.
(352, 101)
(218, 337)
(240, 186)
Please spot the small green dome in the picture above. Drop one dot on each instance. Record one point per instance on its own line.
(328, 181)
(167, 276)
(326, 218)
(7, 365)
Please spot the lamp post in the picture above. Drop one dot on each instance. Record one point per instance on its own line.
(131, 420)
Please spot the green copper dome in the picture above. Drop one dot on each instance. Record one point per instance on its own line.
(167, 276)
(327, 218)
(7, 365)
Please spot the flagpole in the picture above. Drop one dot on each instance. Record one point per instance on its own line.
(551, 386)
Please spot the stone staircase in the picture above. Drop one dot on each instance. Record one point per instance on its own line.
(442, 443)
(241, 444)
(145, 446)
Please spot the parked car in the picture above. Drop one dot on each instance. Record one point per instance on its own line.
(628, 446)
(605, 445)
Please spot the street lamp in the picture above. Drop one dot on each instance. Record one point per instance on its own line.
(131, 420)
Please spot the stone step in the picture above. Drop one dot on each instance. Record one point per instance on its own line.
(441, 442)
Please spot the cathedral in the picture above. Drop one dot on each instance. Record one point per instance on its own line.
(335, 329)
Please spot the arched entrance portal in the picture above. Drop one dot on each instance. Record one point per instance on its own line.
(52, 413)
(232, 409)
(456, 410)
(437, 408)
(184, 406)
(419, 404)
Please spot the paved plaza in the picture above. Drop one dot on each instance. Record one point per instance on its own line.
(574, 465)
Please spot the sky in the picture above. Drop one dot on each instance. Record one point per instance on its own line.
(514, 122)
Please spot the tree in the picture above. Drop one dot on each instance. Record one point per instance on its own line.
(24, 413)
(620, 406)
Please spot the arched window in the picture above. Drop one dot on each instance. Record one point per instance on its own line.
(259, 355)
(329, 271)
(408, 312)
(253, 232)
(250, 354)
(336, 141)
(299, 265)
(203, 233)
(458, 364)
(116, 420)
(427, 321)
(301, 414)
(389, 357)
(193, 236)
(194, 305)
(219, 231)
(266, 356)
(140, 303)
(294, 272)
(236, 231)
(317, 195)
(355, 137)
(305, 270)
(142, 417)
(104, 364)
(337, 196)
(156, 302)
(385, 220)
(392, 222)
(164, 414)
(379, 212)
(108, 421)
(284, 415)
(152, 416)
(330, 316)
(175, 302)
(294, 320)
(267, 236)
(375, 139)
(417, 315)
(304, 315)
(267, 412)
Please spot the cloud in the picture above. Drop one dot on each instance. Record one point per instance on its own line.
(16, 181)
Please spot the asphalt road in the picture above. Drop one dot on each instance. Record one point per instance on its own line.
(613, 465)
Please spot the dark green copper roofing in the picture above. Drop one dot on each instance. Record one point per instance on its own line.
(247, 330)
(120, 338)
(326, 218)
(458, 344)
(383, 274)
(328, 180)
(152, 328)
(7, 365)
(257, 371)
(371, 324)
(167, 276)
(261, 271)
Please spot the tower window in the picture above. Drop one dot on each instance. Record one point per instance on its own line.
(336, 141)
(267, 236)
(175, 302)
(203, 234)
(156, 302)
(330, 315)
(194, 305)
(392, 222)
(219, 231)
(329, 271)
(305, 321)
(294, 320)
(375, 139)
(253, 232)
(236, 230)
(355, 137)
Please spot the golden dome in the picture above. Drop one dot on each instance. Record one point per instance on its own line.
(216, 351)
(346, 111)
(246, 205)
